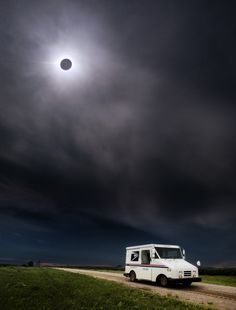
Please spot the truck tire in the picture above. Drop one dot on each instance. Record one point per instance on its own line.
(132, 276)
(163, 281)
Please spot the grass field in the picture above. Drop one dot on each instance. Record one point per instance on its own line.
(221, 280)
(44, 288)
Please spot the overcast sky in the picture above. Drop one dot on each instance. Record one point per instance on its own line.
(135, 144)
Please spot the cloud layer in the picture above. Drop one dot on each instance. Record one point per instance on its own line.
(137, 143)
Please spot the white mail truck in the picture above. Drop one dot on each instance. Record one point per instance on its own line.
(160, 263)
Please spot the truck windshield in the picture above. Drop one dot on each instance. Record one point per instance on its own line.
(169, 252)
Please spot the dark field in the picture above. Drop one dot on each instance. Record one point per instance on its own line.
(23, 288)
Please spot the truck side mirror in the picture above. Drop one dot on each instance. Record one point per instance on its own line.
(198, 263)
(183, 251)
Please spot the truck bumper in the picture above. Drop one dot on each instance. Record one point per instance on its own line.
(184, 280)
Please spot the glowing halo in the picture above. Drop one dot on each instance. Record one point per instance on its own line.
(66, 67)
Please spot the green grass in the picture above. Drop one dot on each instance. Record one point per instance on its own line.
(44, 288)
(222, 280)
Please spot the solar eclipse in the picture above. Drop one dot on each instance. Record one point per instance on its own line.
(66, 64)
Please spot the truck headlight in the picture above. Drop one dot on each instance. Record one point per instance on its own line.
(180, 274)
(194, 273)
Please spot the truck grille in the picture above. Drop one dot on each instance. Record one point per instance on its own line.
(187, 273)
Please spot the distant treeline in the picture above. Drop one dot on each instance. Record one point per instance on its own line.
(217, 271)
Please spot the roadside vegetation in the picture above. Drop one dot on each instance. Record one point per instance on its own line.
(220, 276)
(24, 288)
(220, 280)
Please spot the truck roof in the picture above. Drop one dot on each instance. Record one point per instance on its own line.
(152, 245)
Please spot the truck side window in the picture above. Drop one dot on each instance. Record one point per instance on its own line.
(146, 258)
(134, 256)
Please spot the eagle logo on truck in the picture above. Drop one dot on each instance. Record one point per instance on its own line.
(135, 256)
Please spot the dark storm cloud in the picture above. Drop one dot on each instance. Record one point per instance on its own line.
(143, 137)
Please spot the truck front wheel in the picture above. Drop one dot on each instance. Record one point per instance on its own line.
(132, 276)
(163, 281)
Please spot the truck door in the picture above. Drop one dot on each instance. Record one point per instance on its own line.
(146, 269)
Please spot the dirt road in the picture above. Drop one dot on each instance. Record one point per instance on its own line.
(221, 297)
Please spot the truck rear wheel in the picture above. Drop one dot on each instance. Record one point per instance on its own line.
(132, 276)
(163, 281)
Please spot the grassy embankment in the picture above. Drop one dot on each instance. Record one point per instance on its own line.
(220, 280)
(44, 288)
